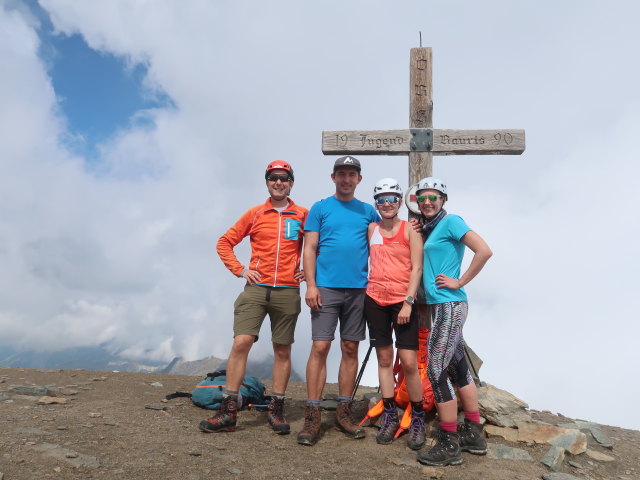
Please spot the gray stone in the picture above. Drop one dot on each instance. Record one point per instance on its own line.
(600, 457)
(329, 404)
(572, 443)
(593, 429)
(554, 458)
(500, 407)
(157, 385)
(575, 464)
(69, 391)
(235, 471)
(504, 452)
(559, 476)
(32, 390)
(369, 396)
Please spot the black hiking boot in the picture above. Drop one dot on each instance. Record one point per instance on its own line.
(417, 431)
(345, 423)
(224, 420)
(276, 417)
(445, 452)
(472, 437)
(389, 426)
(311, 430)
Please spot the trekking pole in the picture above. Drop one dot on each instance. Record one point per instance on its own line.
(359, 377)
(466, 352)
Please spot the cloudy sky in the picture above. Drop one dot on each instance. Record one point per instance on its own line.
(134, 133)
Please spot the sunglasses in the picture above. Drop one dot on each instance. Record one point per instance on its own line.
(392, 199)
(431, 198)
(272, 177)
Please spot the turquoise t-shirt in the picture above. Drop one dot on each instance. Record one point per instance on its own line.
(343, 249)
(443, 253)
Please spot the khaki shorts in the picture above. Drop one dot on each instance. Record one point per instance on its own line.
(282, 304)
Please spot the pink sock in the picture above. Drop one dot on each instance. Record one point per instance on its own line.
(472, 416)
(449, 426)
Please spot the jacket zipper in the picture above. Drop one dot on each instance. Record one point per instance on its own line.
(275, 273)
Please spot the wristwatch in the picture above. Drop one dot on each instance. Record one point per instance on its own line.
(410, 300)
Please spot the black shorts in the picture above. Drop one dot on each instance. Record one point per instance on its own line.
(382, 321)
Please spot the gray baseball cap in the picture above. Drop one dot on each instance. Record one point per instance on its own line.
(347, 161)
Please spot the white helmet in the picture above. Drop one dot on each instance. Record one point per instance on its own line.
(387, 185)
(433, 184)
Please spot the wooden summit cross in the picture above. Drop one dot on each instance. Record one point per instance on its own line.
(420, 141)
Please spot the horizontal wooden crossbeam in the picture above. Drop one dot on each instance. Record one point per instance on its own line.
(440, 142)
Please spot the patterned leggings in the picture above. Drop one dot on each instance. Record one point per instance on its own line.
(447, 363)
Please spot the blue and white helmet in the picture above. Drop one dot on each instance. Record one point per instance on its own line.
(432, 183)
(387, 185)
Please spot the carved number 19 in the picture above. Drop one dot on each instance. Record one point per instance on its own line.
(341, 139)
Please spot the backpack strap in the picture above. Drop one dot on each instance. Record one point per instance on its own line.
(177, 395)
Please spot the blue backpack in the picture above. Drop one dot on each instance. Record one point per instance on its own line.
(208, 393)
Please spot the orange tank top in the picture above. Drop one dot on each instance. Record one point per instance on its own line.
(389, 267)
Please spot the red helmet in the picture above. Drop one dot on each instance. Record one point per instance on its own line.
(279, 165)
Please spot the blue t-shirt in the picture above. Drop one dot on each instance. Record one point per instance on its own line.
(343, 249)
(443, 253)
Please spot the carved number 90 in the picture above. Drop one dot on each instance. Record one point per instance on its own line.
(506, 138)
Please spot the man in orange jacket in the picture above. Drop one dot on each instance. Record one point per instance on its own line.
(273, 276)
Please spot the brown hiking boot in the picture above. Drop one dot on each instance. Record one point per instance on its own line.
(276, 416)
(224, 420)
(345, 423)
(472, 437)
(311, 430)
(445, 452)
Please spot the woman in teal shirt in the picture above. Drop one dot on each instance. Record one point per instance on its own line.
(446, 237)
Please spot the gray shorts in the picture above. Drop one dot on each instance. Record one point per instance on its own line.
(344, 304)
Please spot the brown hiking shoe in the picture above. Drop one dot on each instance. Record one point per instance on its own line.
(224, 420)
(276, 416)
(311, 430)
(345, 423)
(472, 437)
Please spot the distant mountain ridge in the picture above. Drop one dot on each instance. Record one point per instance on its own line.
(102, 358)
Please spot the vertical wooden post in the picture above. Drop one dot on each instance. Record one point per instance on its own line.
(421, 116)
(420, 109)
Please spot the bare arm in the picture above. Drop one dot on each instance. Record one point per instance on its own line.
(310, 253)
(482, 253)
(416, 246)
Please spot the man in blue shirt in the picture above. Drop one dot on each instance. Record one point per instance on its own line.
(335, 259)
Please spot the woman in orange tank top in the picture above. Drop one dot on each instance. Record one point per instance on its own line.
(395, 268)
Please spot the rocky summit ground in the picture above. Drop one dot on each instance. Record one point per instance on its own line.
(72, 424)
